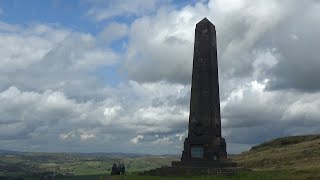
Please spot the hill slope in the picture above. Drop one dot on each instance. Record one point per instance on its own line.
(295, 152)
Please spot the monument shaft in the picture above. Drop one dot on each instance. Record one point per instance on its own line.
(204, 149)
(204, 141)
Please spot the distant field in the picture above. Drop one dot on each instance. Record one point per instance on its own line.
(284, 158)
(78, 165)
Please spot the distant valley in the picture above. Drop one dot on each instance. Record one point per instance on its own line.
(299, 154)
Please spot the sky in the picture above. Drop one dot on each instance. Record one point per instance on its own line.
(114, 75)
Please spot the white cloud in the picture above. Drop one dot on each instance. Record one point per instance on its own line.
(164, 41)
(40, 57)
(136, 139)
(304, 111)
(250, 105)
(180, 136)
(104, 10)
(85, 135)
(52, 90)
(247, 23)
(49, 45)
(29, 114)
(164, 140)
(246, 34)
(66, 135)
(112, 112)
(113, 31)
(267, 114)
(21, 47)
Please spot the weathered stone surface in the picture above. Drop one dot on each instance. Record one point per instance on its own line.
(204, 120)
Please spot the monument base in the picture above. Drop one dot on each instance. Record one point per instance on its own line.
(204, 148)
(187, 170)
(222, 164)
(195, 168)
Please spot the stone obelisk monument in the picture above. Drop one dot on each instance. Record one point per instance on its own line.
(204, 149)
(204, 141)
(204, 145)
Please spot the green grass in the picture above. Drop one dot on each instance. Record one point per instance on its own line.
(80, 164)
(288, 174)
(255, 175)
(297, 152)
(285, 141)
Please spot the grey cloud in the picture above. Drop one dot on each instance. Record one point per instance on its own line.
(103, 10)
(56, 59)
(56, 95)
(160, 48)
(252, 115)
(254, 39)
(246, 31)
(113, 31)
(169, 45)
(299, 49)
(52, 115)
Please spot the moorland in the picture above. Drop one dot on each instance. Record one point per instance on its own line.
(295, 157)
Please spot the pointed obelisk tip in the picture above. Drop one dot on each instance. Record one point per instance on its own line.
(205, 21)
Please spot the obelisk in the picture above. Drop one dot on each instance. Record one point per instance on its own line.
(204, 141)
(204, 149)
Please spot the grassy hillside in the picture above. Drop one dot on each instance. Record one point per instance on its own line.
(296, 157)
(301, 153)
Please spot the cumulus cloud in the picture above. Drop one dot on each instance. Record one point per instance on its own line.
(304, 111)
(28, 111)
(164, 41)
(103, 10)
(299, 55)
(149, 108)
(246, 31)
(256, 54)
(164, 140)
(21, 47)
(113, 31)
(136, 139)
(41, 57)
(251, 109)
(180, 136)
(66, 135)
(31, 116)
(50, 87)
(86, 135)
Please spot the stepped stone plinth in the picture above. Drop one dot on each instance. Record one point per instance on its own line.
(191, 171)
(209, 164)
